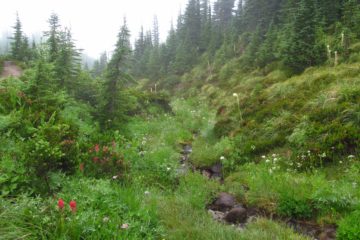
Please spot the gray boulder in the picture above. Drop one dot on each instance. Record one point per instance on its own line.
(236, 215)
(224, 202)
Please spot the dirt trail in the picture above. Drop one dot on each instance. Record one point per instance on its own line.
(10, 69)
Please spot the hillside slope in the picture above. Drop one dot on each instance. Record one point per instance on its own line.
(317, 110)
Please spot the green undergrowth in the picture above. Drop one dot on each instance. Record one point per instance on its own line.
(182, 197)
(102, 207)
(264, 110)
(185, 216)
(154, 198)
(325, 195)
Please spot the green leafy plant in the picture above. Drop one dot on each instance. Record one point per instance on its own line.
(349, 227)
(291, 207)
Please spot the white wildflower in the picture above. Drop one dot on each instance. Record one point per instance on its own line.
(168, 169)
(222, 158)
(235, 95)
(351, 156)
(106, 219)
(147, 193)
(115, 177)
(267, 161)
(263, 157)
(341, 162)
(125, 226)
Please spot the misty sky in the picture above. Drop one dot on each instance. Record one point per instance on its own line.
(94, 23)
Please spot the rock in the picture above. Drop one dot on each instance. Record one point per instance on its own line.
(236, 215)
(206, 174)
(216, 215)
(251, 211)
(187, 149)
(183, 159)
(216, 175)
(224, 202)
(328, 234)
(216, 168)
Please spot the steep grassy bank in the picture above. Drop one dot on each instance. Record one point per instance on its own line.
(269, 111)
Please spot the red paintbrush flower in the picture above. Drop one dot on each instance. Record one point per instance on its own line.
(81, 167)
(73, 206)
(97, 148)
(61, 204)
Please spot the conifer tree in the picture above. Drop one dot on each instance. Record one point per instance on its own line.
(117, 77)
(17, 44)
(267, 51)
(53, 35)
(351, 16)
(67, 64)
(302, 48)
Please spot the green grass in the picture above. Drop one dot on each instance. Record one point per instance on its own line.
(185, 217)
(159, 203)
(322, 195)
(317, 110)
(102, 208)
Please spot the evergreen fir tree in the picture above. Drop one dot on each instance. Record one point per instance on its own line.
(53, 35)
(302, 48)
(17, 44)
(117, 77)
(267, 52)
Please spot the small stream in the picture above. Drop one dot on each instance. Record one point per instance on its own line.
(227, 210)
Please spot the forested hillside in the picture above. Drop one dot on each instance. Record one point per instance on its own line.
(243, 124)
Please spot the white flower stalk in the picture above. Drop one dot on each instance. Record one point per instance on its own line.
(238, 103)
(336, 60)
(328, 52)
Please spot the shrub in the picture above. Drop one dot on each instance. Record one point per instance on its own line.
(52, 147)
(206, 154)
(103, 161)
(289, 206)
(349, 227)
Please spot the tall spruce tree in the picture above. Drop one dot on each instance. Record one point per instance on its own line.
(67, 63)
(116, 79)
(17, 43)
(53, 36)
(303, 49)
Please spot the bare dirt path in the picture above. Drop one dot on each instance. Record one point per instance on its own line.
(10, 69)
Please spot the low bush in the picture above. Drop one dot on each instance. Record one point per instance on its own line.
(349, 227)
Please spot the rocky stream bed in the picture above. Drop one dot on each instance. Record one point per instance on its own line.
(226, 209)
